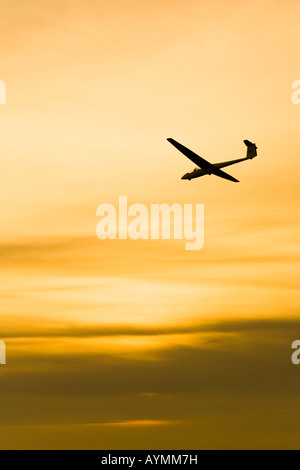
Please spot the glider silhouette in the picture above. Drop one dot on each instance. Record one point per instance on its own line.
(207, 168)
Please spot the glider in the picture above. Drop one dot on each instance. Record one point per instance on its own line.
(207, 168)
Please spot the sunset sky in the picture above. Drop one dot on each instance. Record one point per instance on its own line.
(123, 344)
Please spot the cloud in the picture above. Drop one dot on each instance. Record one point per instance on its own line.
(242, 357)
(235, 372)
(274, 325)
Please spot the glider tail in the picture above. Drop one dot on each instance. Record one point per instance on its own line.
(251, 149)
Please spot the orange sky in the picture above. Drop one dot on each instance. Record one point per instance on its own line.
(136, 337)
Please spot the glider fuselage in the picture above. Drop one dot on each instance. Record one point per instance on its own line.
(195, 174)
